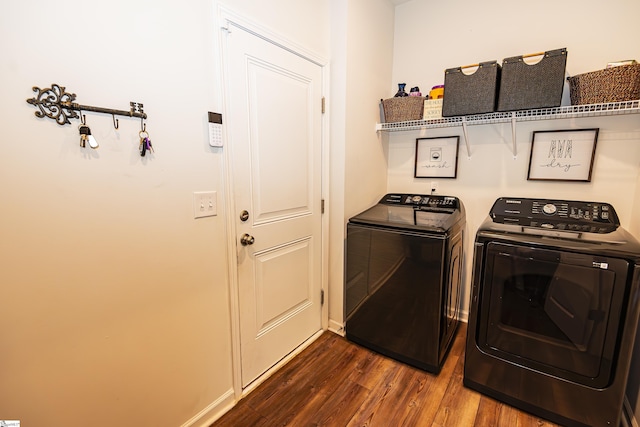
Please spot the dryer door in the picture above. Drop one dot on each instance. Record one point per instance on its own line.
(552, 311)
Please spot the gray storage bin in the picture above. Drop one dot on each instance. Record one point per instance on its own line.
(475, 93)
(524, 86)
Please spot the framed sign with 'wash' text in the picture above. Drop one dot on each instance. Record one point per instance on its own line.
(436, 157)
(562, 155)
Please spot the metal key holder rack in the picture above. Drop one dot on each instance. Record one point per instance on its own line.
(58, 104)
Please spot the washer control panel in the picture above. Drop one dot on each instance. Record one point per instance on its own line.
(594, 217)
(421, 201)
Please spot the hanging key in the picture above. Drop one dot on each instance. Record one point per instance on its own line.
(143, 147)
(84, 132)
(145, 143)
(85, 136)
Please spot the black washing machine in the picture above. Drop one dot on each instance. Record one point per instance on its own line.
(403, 273)
(554, 309)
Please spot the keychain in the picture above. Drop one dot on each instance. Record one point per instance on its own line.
(84, 131)
(145, 143)
(85, 136)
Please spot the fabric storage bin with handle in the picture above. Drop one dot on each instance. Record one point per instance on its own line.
(468, 91)
(525, 85)
(615, 84)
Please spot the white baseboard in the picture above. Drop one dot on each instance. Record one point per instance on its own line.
(628, 415)
(336, 327)
(224, 403)
(213, 411)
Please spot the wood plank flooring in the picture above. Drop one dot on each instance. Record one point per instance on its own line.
(334, 382)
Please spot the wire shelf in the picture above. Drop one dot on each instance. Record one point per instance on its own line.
(566, 112)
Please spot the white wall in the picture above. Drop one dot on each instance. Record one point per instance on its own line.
(115, 303)
(362, 46)
(369, 49)
(433, 36)
(303, 23)
(634, 227)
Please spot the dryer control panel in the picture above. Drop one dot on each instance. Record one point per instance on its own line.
(593, 217)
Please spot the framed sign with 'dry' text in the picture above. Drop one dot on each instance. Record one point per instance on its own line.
(562, 155)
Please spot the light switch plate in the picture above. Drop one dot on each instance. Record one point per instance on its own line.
(205, 203)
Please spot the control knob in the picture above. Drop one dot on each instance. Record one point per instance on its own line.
(549, 209)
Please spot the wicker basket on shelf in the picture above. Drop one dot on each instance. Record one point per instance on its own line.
(403, 109)
(615, 84)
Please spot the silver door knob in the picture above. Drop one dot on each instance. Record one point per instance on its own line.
(247, 239)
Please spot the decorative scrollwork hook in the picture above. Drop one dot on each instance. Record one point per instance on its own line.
(55, 103)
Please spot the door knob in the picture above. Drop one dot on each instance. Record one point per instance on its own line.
(247, 239)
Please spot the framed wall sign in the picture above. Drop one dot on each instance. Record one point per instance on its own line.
(436, 157)
(562, 155)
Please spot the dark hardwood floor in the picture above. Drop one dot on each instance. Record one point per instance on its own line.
(334, 382)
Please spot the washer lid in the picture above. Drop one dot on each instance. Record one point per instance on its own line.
(432, 214)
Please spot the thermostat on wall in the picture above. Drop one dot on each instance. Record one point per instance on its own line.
(215, 129)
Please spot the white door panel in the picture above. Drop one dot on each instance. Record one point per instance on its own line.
(275, 141)
(282, 163)
(274, 269)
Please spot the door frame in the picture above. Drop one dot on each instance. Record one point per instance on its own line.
(227, 21)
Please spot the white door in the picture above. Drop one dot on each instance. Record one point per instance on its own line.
(274, 125)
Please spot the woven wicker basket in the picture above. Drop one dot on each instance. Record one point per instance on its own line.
(615, 84)
(403, 109)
